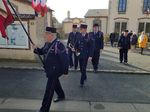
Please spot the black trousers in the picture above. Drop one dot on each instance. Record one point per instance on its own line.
(95, 59)
(71, 62)
(123, 55)
(53, 84)
(142, 49)
(112, 42)
(83, 66)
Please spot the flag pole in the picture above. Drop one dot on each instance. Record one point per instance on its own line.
(24, 29)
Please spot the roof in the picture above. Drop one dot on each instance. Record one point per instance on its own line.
(71, 19)
(25, 16)
(97, 13)
(30, 1)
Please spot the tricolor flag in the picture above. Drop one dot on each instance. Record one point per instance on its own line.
(5, 21)
(40, 6)
(43, 7)
(36, 4)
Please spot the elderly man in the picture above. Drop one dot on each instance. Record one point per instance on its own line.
(55, 64)
(124, 46)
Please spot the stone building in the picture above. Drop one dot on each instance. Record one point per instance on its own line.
(99, 16)
(129, 14)
(18, 46)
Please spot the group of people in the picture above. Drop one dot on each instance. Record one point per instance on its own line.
(84, 46)
(141, 41)
(128, 40)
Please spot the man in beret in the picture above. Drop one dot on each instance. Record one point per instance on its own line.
(72, 39)
(55, 65)
(124, 46)
(84, 49)
(98, 38)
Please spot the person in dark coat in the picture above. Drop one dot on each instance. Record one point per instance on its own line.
(72, 39)
(134, 40)
(98, 38)
(84, 51)
(55, 65)
(112, 38)
(124, 46)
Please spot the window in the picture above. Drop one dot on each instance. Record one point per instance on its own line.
(119, 27)
(123, 26)
(17, 37)
(146, 5)
(141, 27)
(97, 21)
(122, 6)
(144, 26)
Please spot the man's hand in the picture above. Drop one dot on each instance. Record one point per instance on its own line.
(73, 49)
(101, 50)
(34, 46)
(65, 75)
(90, 58)
(119, 48)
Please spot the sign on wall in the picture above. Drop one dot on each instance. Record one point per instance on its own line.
(17, 37)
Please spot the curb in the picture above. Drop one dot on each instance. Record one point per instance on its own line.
(88, 70)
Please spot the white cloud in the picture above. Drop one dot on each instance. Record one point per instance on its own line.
(78, 8)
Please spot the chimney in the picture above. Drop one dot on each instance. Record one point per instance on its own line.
(68, 14)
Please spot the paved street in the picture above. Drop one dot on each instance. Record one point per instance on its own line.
(109, 62)
(115, 88)
(100, 87)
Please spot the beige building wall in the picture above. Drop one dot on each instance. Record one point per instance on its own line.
(133, 15)
(49, 18)
(23, 7)
(67, 27)
(89, 22)
(36, 28)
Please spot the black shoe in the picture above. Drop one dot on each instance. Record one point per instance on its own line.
(125, 63)
(81, 85)
(120, 61)
(58, 99)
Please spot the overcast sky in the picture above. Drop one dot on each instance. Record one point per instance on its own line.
(77, 8)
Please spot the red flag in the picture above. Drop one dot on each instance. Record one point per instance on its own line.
(4, 22)
(43, 7)
(40, 6)
(36, 5)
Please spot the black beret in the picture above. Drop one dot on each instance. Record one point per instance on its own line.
(74, 26)
(94, 25)
(84, 26)
(126, 31)
(51, 29)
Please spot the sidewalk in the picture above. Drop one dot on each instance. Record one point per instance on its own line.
(30, 105)
(109, 63)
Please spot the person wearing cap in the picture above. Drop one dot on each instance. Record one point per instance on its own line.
(55, 65)
(112, 38)
(72, 39)
(84, 49)
(98, 38)
(124, 46)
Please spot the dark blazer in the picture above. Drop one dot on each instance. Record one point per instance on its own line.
(85, 46)
(56, 59)
(124, 42)
(72, 39)
(98, 40)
